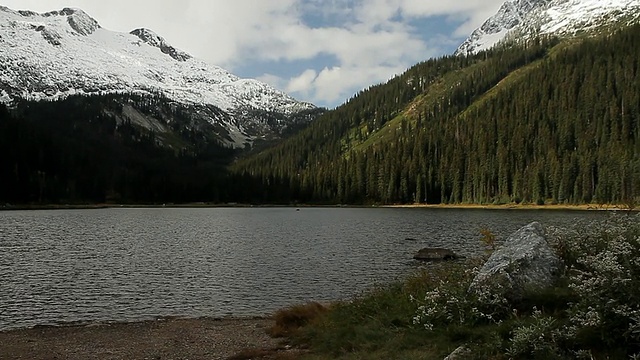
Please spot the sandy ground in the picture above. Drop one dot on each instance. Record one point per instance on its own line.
(516, 207)
(164, 339)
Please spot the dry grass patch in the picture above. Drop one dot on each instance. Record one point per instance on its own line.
(289, 320)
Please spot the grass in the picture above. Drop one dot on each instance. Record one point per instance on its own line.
(377, 325)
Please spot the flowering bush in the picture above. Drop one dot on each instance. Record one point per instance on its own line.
(445, 302)
(450, 302)
(538, 338)
(595, 308)
(603, 267)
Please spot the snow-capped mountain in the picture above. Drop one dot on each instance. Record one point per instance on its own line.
(61, 53)
(518, 19)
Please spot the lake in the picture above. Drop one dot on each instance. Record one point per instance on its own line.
(119, 264)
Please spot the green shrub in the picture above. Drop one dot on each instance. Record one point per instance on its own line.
(538, 339)
(603, 270)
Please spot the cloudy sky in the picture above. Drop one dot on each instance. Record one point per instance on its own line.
(322, 51)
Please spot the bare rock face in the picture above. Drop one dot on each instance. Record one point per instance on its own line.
(524, 262)
(155, 40)
(79, 21)
(51, 36)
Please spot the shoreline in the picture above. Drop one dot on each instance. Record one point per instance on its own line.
(564, 207)
(581, 207)
(166, 338)
(157, 319)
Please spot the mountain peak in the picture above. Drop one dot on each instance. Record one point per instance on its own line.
(511, 14)
(80, 21)
(155, 40)
(523, 18)
(62, 53)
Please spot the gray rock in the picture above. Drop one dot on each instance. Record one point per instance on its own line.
(435, 254)
(525, 261)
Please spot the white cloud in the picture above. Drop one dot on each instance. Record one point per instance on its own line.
(335, 84)
(303, 82)
(370, 39)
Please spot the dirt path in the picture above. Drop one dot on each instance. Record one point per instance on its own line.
(164, 339)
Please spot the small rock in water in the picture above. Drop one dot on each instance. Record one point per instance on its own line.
(435, 254)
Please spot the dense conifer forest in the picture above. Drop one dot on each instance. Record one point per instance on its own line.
(544, 122)
(77, 151)
(548, 121)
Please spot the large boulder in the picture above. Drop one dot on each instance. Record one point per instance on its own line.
(524, 262)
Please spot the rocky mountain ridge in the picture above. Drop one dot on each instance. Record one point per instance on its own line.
(62, 53)
(522, 19)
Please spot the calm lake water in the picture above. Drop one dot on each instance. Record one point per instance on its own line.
(61, 266)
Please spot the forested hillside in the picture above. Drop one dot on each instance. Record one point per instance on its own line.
(82, 150)
(547, 122)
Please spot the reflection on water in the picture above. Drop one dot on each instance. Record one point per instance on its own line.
(136, 264)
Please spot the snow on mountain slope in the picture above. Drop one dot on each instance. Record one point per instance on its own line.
(62, 53)
(511, 14)
(522, 18)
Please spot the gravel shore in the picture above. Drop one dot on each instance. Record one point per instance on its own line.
(163, 339)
